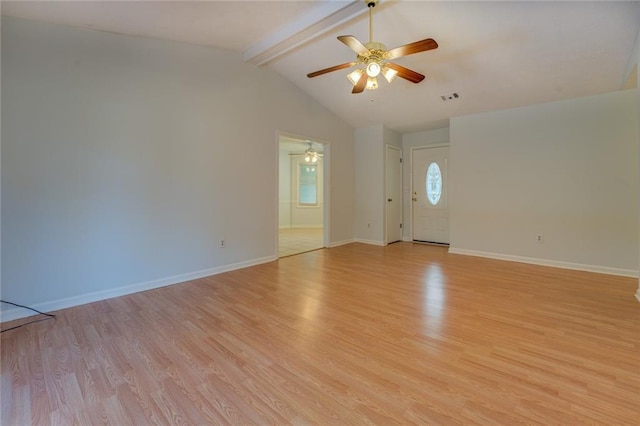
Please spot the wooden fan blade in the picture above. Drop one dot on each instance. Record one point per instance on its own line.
(411, 48)
(406, 73)
(331, 69)
(355, 45)
(361, 84)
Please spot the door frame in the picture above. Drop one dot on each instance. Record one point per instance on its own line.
(386, 196)
(326, 185)
(414, 148)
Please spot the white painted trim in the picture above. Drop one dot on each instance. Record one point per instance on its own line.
(372, 242)
(341, 243)
(638, 295)
(546, 262)
(54, 305)
(435, 145)
(407, 239)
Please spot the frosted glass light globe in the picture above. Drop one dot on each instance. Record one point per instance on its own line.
(373, 69)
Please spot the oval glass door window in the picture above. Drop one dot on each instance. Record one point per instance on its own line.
(434, 183)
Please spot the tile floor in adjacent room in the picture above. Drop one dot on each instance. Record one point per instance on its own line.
(299, 240)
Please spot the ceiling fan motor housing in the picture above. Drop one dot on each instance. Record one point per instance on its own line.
(378, 52)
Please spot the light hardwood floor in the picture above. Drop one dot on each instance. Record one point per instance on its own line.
(351, 335)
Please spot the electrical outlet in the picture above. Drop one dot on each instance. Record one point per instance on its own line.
(539, 238)
(222, 243)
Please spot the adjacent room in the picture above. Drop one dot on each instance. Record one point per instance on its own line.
(301, 196)
(320, 212)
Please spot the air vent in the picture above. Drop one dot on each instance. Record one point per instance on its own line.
(450, 97)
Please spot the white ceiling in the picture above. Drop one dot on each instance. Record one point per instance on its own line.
(495, 55)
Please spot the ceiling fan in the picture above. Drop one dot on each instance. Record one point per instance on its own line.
(374, 57)
(310, 155)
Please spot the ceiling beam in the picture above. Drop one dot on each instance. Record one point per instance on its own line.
(309, 26)
(631, 70)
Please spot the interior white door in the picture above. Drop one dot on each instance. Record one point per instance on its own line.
(430, 209)
(393, 192)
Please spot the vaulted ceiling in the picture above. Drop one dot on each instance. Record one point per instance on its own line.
(494, 55)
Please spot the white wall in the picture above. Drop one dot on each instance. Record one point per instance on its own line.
(369, 167)
(284, 189)
(394, 139)
(370, 143)
(125, 160)
(391, 137)
(409, 141)
(567, 170)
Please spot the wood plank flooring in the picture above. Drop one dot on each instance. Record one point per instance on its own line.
(404, 334)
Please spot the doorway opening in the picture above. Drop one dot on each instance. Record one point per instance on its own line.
(301, 195)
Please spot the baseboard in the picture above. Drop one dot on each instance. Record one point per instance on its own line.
(546, 262)
(372, 242)
(341, 243)
(300, 226)
(16, 313)
(638, 294)
(407, 239)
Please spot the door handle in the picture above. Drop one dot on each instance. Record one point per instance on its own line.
(414, 199)
(389, 199)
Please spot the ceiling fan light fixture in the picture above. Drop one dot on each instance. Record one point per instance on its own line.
(389, 74)
(355, 75)
(372, 59)
(311, 156)
(373, 69)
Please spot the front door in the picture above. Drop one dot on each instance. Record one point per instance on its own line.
(429, 199)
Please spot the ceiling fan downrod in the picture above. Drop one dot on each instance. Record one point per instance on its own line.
(371, 4)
